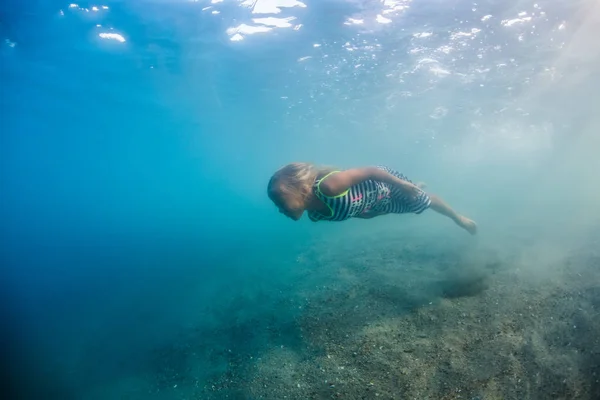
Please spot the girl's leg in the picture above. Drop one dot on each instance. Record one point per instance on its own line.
(440, 206)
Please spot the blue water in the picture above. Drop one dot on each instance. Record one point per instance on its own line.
(137, 138)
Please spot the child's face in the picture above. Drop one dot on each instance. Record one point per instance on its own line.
(290, 207)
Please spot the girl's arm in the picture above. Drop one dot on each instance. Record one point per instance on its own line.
(340, 182)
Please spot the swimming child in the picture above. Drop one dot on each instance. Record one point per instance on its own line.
(328, 194)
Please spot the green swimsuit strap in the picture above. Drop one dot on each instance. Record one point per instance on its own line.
(324, 195)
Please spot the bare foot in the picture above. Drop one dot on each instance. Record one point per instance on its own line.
(467, 224)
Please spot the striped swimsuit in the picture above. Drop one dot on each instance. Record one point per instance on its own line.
(369, 197)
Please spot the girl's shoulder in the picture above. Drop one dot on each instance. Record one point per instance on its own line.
(326, 174)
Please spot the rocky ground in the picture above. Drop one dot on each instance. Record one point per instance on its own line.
(406, 322)
(508, 342)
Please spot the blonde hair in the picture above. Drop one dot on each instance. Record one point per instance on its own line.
(295, 180)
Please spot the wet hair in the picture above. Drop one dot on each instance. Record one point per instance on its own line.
(294, 180)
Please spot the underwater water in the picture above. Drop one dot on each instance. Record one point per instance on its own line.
(142, 259)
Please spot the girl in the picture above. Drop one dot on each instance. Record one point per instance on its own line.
(333, 195)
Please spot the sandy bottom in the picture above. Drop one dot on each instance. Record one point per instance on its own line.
(412, 321)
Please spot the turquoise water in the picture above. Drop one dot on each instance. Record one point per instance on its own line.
(139, 248)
